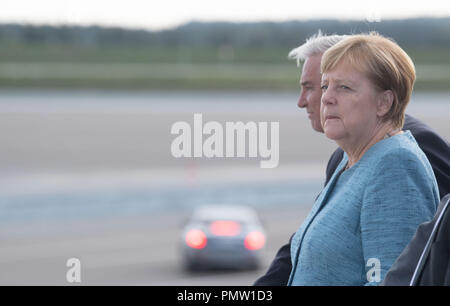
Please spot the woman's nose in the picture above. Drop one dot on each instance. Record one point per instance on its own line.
(328, 97)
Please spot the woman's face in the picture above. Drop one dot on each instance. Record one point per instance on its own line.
(348, 110)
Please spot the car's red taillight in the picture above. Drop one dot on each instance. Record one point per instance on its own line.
(254, 241)
(196, 239)
(225, 228)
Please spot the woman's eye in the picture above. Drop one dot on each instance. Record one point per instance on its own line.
(345, 87)
(324, 87)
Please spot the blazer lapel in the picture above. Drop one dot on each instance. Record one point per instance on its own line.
(320, 202)
(326, 191)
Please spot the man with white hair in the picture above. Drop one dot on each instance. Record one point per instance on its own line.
(311, 52)
(435, 148)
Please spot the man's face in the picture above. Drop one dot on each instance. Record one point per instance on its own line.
(311, 93)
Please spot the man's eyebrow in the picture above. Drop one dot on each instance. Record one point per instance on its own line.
(305, 83)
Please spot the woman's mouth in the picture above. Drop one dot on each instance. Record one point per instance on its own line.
(331, 117)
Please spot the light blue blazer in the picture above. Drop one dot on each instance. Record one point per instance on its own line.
(365, 216)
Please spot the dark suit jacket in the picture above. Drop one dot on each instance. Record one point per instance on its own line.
(433, 269)
(427, 256)
(435, 148)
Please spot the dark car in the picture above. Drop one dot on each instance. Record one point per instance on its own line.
(223, 237)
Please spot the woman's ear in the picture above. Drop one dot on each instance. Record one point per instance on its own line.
(385, 101)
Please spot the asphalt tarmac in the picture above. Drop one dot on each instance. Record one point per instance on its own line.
(133, 251)
(70, 142)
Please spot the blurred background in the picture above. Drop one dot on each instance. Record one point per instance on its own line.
(90, 90)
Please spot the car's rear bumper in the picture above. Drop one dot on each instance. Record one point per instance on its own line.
(222, 258)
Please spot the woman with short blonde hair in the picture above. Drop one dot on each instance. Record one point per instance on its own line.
(383, 62)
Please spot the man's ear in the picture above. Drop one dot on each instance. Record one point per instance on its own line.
(385, 101)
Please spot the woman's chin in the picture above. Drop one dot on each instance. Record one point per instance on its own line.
(333, 134)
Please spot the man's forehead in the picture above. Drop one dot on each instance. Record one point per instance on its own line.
(311, 69)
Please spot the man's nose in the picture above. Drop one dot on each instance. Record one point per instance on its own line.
(302, 102)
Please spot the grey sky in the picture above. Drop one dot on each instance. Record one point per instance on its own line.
(152, 14)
